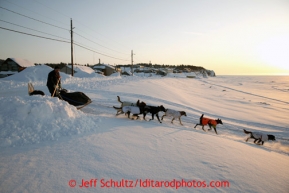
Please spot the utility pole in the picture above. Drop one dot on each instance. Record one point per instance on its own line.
(71, 32)
(132, 61)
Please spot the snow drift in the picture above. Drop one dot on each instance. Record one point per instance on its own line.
(49, 146)
(29, 120)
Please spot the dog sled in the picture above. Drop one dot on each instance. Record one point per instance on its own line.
(77, 99)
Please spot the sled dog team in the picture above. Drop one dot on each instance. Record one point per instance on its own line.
(141, 108)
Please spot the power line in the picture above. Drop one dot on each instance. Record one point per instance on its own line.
(34, 35)
(100, 53)
(60, 28)
(42, 32)
(34, 12)
(38, 31)
(98, 44)
(33, 19)
(62, 41)
(75, 42)
(76, 21)
(52, 9)
(101, 35)
(55, 20)
(32, 29)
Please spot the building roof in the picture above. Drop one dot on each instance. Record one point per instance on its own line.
(98, 67)
(102, 66)
(81, 68)
(22, 62)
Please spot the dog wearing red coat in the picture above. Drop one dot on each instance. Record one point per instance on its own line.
(211, 122)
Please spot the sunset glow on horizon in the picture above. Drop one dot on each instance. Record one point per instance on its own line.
(230, 37)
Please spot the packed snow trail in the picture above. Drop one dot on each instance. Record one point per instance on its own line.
(60, 144)
(232, 128)
(249, 93)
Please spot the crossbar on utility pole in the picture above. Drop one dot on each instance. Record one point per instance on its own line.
(71, 32)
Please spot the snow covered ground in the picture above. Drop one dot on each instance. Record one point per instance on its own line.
(46, 145)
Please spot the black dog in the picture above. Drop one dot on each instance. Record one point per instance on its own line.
(31, 90)
(154, 111)
(37, 92)
(259, 137)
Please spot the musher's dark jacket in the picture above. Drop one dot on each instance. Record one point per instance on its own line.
(52, 79)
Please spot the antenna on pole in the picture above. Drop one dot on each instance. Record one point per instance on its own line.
(71, 32)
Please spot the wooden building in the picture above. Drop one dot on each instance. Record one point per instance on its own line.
(68, 69)
(13, 65)
(106, 69)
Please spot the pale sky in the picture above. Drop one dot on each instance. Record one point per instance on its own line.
(231, 37)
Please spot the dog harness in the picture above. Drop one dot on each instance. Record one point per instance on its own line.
(261, 136)
(125, 103)
(206, 121)
(131, 109)
(173, 113)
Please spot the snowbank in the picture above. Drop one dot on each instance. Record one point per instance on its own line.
(84, 72)
(116, 74)
(29, 120)
(33, 74)
(110, 147)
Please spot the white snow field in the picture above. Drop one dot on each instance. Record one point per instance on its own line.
(46, 145)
